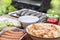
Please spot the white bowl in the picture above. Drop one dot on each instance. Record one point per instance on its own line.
(27, 20)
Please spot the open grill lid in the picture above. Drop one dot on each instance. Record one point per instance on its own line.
(32, 2)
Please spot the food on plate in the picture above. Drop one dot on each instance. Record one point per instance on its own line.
(8, 22)
(52, 20)
(12, 34)
(11, 24)
(44, 30)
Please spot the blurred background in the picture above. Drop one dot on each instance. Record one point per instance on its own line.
(38, 5)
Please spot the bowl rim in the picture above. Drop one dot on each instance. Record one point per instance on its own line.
(40, 37)
(37, 19)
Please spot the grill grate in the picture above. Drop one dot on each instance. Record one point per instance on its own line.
(24, 12)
